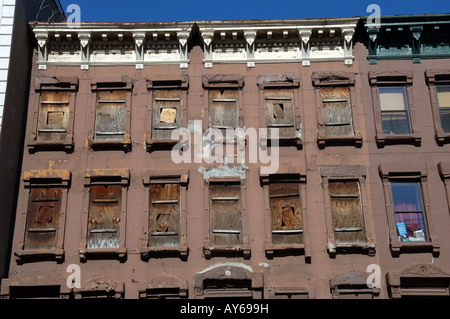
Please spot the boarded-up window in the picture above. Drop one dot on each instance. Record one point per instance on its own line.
(223, 108)
(336, 111)
(104, 216)
(110, 115)
(167, 112)
(443, 100)
(226, 213)
(279, 111)
(346, 212)
(164, 221)
(285, 210)
(43, 218)
(394, 110)
(53, 116)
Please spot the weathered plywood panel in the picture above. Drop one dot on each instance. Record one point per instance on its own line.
(167, 112)
(164, 219)
(223, 108)
(346, 212)
(104, 216)
(336, 111)
(279, 111)
(285, 211)
(43, 218)
(226, 214)
(110, 115)
(53, 117)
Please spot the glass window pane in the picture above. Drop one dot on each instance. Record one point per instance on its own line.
(406, 196)
(395, 123)
(410, 226)
(445, 120)
(443, 96)
(392, 98)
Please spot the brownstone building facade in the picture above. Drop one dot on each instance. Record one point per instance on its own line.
(356, 206)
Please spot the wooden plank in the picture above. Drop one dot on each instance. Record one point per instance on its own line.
(53, 118)
(43, 218)
(104, 216)
(223, 108)
(164, 215)
(336, 111)
(346, 212)
(279, 111)
(285, 211)
(226, 215)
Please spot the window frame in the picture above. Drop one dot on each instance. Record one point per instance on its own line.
(111, 84)
(156, 177)
(347, 173)
(177, 84)
(286, 81)
(394, 79)
(208, 248)
(46, 178)
(413, 172)
(444, 172)
(294, 174)
(323, 79)
(436, 78)
(105, 177)
(53, 84)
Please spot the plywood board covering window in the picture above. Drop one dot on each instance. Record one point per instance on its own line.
(104, 216)
(336, 111)
(53, 116)
(164, 220)
(110, 115)
(226, 213)
(346, 212)
(279, 111)
(223, 108)
(43, 217)
(167, 112)
(285, 210)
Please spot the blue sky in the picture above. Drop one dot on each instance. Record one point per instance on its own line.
(184, 10)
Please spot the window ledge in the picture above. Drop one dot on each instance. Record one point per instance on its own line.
(181, 250)
(152, 144)
(124, 144)
(398, 248)
(363, 248)
(35, 146)
(288, 248)
(323, 140)
(120, 253)
(442, 137)
(243, 250)
(283, 141)
(385, 139)
(32, 255)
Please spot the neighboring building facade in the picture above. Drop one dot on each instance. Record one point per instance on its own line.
(102, 192)
(16, 49)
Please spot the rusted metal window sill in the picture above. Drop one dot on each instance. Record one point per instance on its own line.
(272, 248)
(152, 144)
(358, 248)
